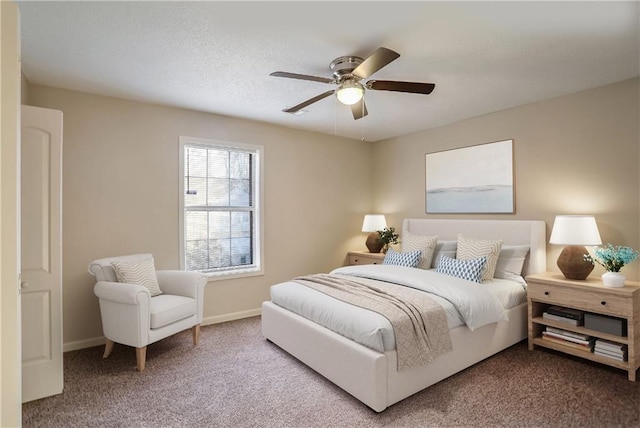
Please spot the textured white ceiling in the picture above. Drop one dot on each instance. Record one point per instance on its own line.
(216, 56)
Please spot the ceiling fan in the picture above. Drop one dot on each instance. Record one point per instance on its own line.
(348, 72)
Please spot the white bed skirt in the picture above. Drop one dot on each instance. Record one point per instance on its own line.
(371, 376)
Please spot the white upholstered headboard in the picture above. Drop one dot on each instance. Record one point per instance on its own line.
(512, 232)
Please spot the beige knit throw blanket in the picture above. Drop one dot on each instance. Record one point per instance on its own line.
(419, 322)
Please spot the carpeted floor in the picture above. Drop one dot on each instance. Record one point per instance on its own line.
(235, 378)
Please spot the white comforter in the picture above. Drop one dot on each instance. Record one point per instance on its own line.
(464, 302)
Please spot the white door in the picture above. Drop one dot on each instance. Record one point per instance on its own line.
(41, 247)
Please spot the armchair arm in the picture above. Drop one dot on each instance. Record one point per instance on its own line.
(120, 293)
(124, 309)
(182, 283)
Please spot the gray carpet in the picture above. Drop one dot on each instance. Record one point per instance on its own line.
(235, 378)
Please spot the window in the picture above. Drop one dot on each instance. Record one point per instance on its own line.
(220, 215)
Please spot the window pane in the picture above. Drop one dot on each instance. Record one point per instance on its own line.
(195, 191)
(240, 165)
(197, 255)
(218, 192)
(195, 162)
(240, 193)
(219, 253)
(241, 251)
(219, 225)
(196, 225)
(218, 163)
(240, 224)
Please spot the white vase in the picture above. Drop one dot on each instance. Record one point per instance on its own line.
(613, 279)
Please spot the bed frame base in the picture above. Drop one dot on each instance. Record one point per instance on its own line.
(371, 376)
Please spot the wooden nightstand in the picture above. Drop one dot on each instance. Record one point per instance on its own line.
(365, 258)
(590, 297)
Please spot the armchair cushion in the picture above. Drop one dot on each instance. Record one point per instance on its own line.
(140, 273)
(167, 309)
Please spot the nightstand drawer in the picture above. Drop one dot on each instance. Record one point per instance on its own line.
(597, 301)
(365, 259)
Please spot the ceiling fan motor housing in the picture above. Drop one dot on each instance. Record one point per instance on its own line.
(343, 66)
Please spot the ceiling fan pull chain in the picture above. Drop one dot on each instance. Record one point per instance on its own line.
(363, 118)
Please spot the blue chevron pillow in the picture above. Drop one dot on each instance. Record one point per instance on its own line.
(409, 259)
(469, 269)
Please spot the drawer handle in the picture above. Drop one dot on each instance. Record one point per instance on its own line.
(356, 260)
(546, 293)
(603, 303)
(375, 263)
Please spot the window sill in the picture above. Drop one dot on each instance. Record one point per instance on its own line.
(235, 274)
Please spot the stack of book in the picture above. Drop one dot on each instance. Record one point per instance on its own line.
(566, 315)
(568, 338)
(613, 350)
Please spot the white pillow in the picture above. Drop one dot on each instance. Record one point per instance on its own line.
(511, 261)
(426, 244)
(469, 248)
(447, 248)
(140, 273)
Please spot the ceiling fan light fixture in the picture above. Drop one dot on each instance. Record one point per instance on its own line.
(350, 92)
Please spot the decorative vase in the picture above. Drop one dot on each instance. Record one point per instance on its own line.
(613, 279)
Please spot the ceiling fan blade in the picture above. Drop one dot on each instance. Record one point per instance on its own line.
(374, 62)
(390, 85)
(301, 77)
(359, 109)
(308, 102)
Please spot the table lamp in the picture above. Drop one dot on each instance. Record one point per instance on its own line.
(372, 223)
(575, 231)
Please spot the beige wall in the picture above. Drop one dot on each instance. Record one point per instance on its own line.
(120, 187)
(576, 154)
(573, 154)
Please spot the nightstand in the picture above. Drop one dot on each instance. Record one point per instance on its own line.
(365, 258)
(621, 305)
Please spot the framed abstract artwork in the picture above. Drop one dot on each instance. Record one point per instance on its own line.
(471, 180)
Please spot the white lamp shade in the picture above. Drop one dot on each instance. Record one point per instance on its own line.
(575, 230)
(373, 222)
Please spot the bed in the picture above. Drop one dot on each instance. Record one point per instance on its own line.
(370, 373)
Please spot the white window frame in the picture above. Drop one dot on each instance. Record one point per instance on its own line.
(257, 267)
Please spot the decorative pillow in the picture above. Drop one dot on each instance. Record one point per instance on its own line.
(511, 261)
(140, 273)
(469, 269)
(469, 248)
(443, 248)
(410, 259)
(426, 244)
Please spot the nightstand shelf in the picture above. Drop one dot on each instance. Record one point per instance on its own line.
(589, 296)
(365, 258)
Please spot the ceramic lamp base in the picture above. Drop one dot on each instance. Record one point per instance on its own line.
(373, 244)
(572, 264)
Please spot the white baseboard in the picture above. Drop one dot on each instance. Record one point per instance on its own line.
(82, 344)
(231, 317)
(99, 341)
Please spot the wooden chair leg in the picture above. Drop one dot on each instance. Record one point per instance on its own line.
(108, 347)
(196, 333)
(141, 356)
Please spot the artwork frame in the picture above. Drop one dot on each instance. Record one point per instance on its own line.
(471, 180)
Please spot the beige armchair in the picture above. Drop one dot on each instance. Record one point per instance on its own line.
(167, 302)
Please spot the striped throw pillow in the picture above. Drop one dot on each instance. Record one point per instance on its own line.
(426, 244)
(470, 269)
(469, 248)
(140, 273)
(410, 259)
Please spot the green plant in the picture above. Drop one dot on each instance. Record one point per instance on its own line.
(388, 236)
